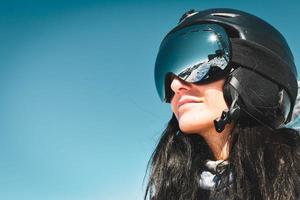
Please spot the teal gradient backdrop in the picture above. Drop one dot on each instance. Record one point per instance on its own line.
(79, 114)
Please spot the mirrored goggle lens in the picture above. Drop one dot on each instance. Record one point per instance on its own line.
(195, 54)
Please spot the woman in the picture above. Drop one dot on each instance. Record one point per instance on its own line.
(230, 78)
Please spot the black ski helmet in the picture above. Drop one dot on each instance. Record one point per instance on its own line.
(263, 82)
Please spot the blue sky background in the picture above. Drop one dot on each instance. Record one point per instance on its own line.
(79, 114)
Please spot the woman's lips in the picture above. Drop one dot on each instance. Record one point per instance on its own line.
(186, 101)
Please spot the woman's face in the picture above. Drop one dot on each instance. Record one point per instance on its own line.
(197, 106)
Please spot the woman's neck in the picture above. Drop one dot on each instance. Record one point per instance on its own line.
(219, 143)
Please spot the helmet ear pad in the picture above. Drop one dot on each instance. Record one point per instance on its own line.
(259, 98)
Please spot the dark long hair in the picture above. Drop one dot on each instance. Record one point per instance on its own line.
(265, 165)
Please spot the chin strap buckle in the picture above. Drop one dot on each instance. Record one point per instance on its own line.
(227, 117)
(221, 122)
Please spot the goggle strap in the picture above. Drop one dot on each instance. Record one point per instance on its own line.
(261, 60)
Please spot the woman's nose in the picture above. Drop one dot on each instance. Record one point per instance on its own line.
(178, 86)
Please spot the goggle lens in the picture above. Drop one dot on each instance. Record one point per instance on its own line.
(196, 54)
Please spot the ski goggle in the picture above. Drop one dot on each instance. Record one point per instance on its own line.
(196, 54)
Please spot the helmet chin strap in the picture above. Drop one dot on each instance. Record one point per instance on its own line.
(228, 116)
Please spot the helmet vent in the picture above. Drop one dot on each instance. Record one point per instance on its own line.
(187, 15)
(226, 15)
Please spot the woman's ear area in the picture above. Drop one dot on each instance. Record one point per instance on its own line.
(227, 91)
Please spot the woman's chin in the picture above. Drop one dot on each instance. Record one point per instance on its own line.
(188, 128)
(191, 123)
